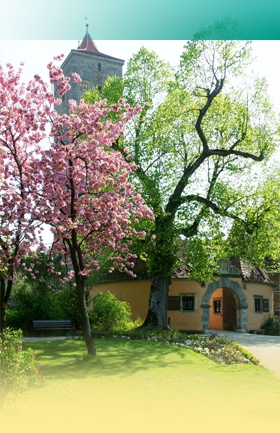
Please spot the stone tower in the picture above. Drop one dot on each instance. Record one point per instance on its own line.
(93, 67)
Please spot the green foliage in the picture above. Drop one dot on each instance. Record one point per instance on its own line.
(271, 326)
(220, 349)
(257, 240)
(17, 366)
(112, 90)
(109, 312)
(196, 142)
(40, 294)
(68, 302)
(147, 76)
(39, 304)
(32, 304)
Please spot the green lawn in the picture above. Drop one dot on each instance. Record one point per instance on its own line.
(142, 386)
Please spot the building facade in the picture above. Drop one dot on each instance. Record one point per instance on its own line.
(239, 299)
(93, 67)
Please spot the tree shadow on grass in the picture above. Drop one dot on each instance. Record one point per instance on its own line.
(67, 359)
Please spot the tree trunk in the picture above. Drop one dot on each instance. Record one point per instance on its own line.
(157, 312)
(80, 280)
(86, 327)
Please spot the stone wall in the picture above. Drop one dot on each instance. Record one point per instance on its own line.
(93, 69)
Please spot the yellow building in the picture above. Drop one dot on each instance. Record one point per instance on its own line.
(240, 299)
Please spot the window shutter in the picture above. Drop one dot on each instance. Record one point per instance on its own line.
(173, 303)
(266, 305)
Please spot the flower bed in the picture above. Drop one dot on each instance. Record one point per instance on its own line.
(218, 348)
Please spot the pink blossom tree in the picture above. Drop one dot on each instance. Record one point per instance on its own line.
(77, 184)
(88, 199)
(24, 115)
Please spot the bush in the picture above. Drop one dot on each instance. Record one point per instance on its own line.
(109, 313)
(271, 326)
(69, 303)
(17, 367)
(32, 305)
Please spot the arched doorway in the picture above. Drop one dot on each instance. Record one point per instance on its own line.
(222, 313)
(236, 299)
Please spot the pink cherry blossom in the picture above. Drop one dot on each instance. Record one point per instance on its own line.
(76, 183)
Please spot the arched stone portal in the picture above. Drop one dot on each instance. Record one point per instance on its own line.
(241, 303)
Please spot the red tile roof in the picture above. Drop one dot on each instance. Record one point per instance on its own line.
(88, 45)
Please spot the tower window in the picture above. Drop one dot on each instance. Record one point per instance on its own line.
(99, 67)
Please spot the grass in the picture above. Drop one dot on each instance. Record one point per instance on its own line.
(134, 385)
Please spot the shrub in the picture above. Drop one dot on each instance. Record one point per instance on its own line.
(271, 326)
(109, 313)
(31, 304)
(69, 303)
(17, 367)
(42, 303)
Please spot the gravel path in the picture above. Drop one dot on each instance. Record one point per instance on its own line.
(265, 348)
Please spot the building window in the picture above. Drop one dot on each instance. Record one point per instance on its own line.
(184, 303)
(261, 304)
(188, 303)
(217, 306)
(99, 67)
(258, 304)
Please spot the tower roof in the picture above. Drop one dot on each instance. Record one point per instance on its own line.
(87, 44)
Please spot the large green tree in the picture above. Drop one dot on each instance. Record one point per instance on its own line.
(261, 242)
(202, 131)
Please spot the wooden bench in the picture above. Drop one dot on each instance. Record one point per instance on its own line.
(49, 325)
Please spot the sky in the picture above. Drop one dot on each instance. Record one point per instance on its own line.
(37, 53)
